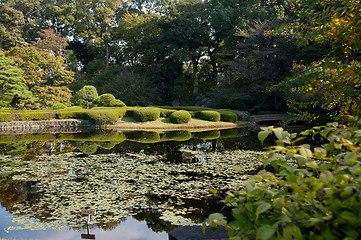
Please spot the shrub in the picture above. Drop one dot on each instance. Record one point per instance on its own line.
(85, 96)
(242, 115)
(179, 117)
(119, 111)
(146, 114)
(210, 116)
(305, 192)
(58, 106)
(34, 116)
(102, 117)
(166, 112)
(104, 100)
(76, 114)
(72, 108)
(228, 116)
(117, 103)
(6, 117)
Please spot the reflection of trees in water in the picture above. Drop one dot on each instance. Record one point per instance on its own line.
(118, 185)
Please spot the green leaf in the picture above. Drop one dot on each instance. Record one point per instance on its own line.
(292, 232)
(216, 219)
(262, 135)
(263, 207)
(204, 227)
(278, 133)
(265, 232)
(212, 190)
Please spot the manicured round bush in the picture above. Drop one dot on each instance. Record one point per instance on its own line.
(179, 117)
(102, 117)
(72, 108)
(210, 116)
(146, 114)
(228, 116)
(117, 103)
(58, 106)
(104, 100)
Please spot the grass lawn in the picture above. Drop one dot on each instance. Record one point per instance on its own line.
(164, 123)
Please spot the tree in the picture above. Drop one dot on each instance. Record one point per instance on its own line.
(139, 36)
(13, 91)
(332, 84)
(44, 75)
(51, 42)
(85, 96)
(185, 33)
(94, 22)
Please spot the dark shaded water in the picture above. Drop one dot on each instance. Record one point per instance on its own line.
(142, 184)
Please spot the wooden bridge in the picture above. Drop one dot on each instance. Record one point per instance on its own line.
(277, 119)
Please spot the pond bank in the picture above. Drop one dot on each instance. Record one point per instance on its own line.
(74, 125)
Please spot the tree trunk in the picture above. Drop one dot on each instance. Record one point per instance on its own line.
(195, 76)
(106, 54)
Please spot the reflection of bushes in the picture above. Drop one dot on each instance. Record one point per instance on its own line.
(229, 133)
(179, 117)
(107, 145)
(101, 136)
(88, 147)
(210, 116)
(208, 135)
(176, 136)
(146, 114)
(143, 136)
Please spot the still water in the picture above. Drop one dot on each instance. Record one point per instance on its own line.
(142, 184)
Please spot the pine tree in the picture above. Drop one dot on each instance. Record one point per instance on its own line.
(13, 91)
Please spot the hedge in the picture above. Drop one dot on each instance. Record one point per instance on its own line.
(102, 117)
(76, 114)
(6, 117)
(179, 117)
(210, 116)
(117, 103)
(58, 106)
(228, 116)
(146, 114)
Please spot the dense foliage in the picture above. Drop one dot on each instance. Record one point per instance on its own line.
(210, 115)
(310, 193)
(179, 117)
(146, 114)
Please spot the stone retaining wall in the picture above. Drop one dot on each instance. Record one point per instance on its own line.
(45, 126)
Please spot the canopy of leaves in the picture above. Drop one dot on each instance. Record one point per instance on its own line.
(13, 90)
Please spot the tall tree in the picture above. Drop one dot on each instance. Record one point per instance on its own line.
(13, 90)
(139, 34)
(95, 21)
(185, 33)
(44, 75)
(331, 84)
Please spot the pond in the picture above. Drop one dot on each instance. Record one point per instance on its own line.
(142, 184)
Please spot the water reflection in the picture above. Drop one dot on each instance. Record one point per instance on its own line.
(161, 179)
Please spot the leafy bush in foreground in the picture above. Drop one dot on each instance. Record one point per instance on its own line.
(179, 117)
(210, 116)
(146, 114)
(313, 192)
